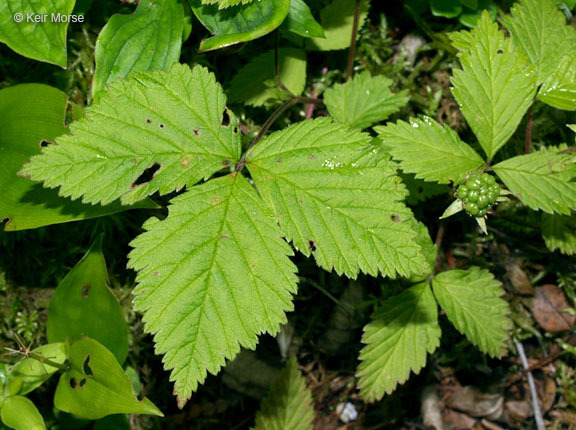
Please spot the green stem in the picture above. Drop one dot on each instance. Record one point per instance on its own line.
(352, 51)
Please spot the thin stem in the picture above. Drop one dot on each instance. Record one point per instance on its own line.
(533, 393)
(529, 129)
(47, 361)
(353, 41)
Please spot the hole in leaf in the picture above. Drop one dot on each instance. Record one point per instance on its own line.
(86, 369)
(44, 143)
(147, 175)
(312, 245)
(235, 130)
(161, 125)
(82, 383)
(72, 383)
(148, 121)
(395, 218)
(499, 51)
(85, 290)
(225, 118)
(197, 132)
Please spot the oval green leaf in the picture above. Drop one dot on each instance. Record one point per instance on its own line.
(149, 39)
(32, 114)
(84, 306)
(301, 21)
(240, 23)
(20, 413)
(32, 28)
(95, 386)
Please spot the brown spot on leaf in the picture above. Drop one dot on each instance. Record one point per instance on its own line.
(185, 161)
(215, 201)
(155, 273)
(312, 157)
(300, 201)
(197, 132)
(85, 290)
(148, 121)
(395, 218)
(548, 309)
(279, 160)
(224, 236)
(226, 162)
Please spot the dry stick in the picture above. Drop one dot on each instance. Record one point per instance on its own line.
(537, 412)
(529, 129)
(353, 41)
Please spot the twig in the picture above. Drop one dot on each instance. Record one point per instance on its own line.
(537, 412)
(438, 244)
(353, 41)
(529, 129)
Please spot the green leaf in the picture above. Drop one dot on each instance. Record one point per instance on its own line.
(84, 306)
(288, 405)
(249, 85)
(559, 233)
(169, 123)
(363, 101)
(455, 207)
(223, 4)
(240, 23)
(470, 16)
(95, 386)
(211, 277)
(429, 250)
(420, 191)
(30, 373)
(402, 331)
(337, 20)
(31, 114)
(21, 414)
(539, 29)
(43, 41)
(338, 198)
(494, 88)
(431, 151)
(542, 180)
(300, 20)
(445, 8)
(473, 303)
(149, 39)
(559, 89)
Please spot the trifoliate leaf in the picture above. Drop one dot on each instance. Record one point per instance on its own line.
(212, 277)
(559, 89)
(402, 331)
(363, 101)
(241, 23)
(288, 404)
(539, 29)
(223, 4)
(155, 131)
(149, 39)
(32, 114)
(473, 303)
(83, 305)
(559, 233)
(300, 20)
(44, 40)
(494, 87)
(542, 180)
(431, 151)
(96, 386)
(249, 84)
(337, 20)
(20, 413)
(337, 198)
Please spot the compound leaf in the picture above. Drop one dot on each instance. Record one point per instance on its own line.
(337, 20)
(20, 413)
(402, 331)
(83, 305)
(288, 404)
(337, 197)
(149, 39)
(301, 21)
(559, 89)
(494, 88)
(166, 125)
(431, 151)
(96, 386)
(212, 276)
(363, 101)
(539, 28)
(473, 303)
(240, 23)
(43, 41)
(542, 180)
(33, 114)
(249, 85)
(559, 233)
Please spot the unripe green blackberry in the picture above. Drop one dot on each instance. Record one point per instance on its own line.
(479, 194)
